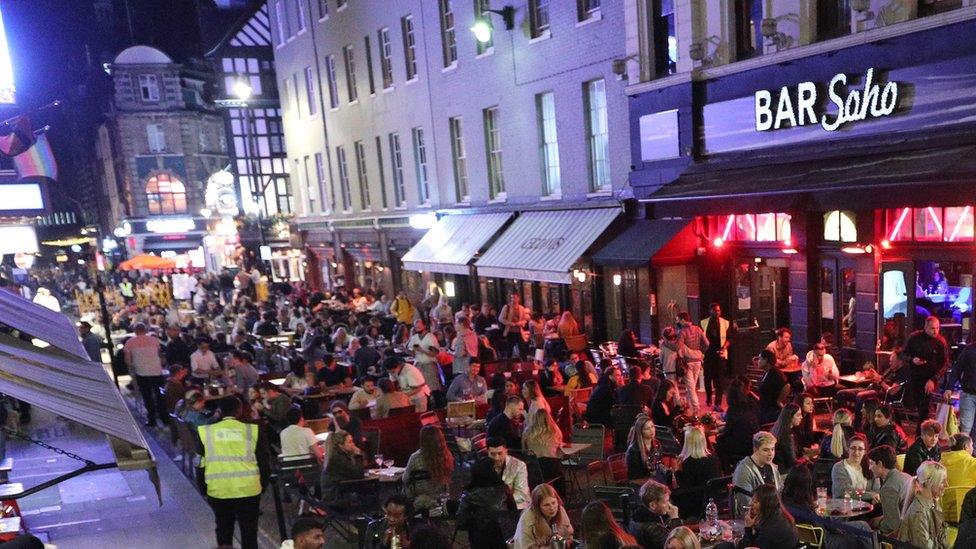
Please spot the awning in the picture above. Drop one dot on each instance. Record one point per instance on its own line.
(874, 173)
(60, 378)
(543, 246)
(665, 241)
(453, 242)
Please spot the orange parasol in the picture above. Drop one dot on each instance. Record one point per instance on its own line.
(145, 262)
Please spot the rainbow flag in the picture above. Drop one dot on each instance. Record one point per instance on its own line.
(37, 161)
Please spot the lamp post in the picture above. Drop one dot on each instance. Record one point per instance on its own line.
(242, 89)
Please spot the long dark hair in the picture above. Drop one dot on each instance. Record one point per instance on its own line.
(783, 429)
(598, 524)
(806, 427)
(798, 489)
(738, 394)
(769, 504)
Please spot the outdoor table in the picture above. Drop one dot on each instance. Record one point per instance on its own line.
(386, 474)
(727, 530)
(569, 450)
(854, 379)
(835, 509)
(322, 437)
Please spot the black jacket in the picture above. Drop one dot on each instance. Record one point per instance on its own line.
(651, 530)
(502, 426)
(600, 404)
(893, 436)
(917, 453)
(774, 533)
(636, 467)
(964, 370)
(488, 514)
(635, 394)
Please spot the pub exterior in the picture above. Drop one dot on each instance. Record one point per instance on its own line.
(831, 193)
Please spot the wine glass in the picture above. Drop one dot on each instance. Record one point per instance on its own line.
(378, 459)
(387, 463)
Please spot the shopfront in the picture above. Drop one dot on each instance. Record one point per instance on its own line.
(835, 192)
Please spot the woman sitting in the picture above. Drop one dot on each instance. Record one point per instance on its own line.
(806, 434)
(696, 466)
(600, 530)
(585, 376)
(834, 445)
(390, 397)
(343, 461)
(741, 421)
(786, 447)
(602, 399)
(627, 344)
(922, 524)
(849, 476)
(864, 423)
(532, 395)
(767, 523)
(682, 538)
(543, 521)
(886, 431)
(551, 380)
(643, 449)
(667, 407)
(542, 437)
(800, 499)
(434, 459)
(194, 411)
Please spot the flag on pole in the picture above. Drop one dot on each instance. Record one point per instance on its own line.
(16, 136)
(37, 161)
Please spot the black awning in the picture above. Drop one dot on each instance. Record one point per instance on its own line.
(666, 241)
(906, 173)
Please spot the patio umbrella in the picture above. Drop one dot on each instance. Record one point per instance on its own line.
(147, 262)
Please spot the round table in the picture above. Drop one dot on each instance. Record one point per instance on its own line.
(836, 510)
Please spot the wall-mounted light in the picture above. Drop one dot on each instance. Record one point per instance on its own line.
(718, 242)
(886, 244)
(617, 279)
(581, 276)
(483, 29)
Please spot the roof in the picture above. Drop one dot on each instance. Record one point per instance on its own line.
(142, 55)
(251, 29)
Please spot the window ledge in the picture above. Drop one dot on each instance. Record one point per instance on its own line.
(593, 18)
(301, 32)
(354, 102)
(400, 208)
(412, 80)
(603, 193)
(390, 89)
(346, 212)
(342, 7)
(551, 197)
(425, 204)
(500, 199)
(333, 109)
(486, 53)
(324, 18)
(546, 35)
(450, 67)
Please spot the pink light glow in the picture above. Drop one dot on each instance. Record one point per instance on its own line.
(955, 230)
(901, 220)
(728, 228)
(935, 219)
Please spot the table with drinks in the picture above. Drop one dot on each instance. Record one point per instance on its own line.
(845, 508)
(385, 471)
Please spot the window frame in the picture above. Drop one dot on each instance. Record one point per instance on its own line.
(386, 57)
(539, 26)
(310, 92)
(548, 146)
(421, 164)
(345, 193)
(491, 117)
(481, 8)
(349, 61)
(409, 46)
(396, 162)
(156, 135)
(597, 138)
(459, 159)
(320, 175)
(448, 33)
(172, 181)
(330, 69)
(362, 175)
(369, 65)
(149, 87)
(588, 10)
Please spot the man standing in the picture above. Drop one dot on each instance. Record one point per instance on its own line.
(512, 471)
(773, 388)
(236, 469)
(142, 357)
(964, 372)
(716, 360)
(512, 318)
(928, 355)
(177, 350)
(425, 349)
(402, 309)
(91, 342)
(411, 382)
(693, 352)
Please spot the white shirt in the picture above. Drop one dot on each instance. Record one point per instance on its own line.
(202, 364)
(297, 441)
(410, 378)
(425, 343)
(142, 355)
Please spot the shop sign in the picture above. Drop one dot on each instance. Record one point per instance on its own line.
(541, 243)
(799, 106)
(170, 226)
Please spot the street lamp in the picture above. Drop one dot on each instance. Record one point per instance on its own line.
(483, 29)
(243, 90)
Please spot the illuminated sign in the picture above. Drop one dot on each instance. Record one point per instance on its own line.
(170, 226)
(798, 107)
(7, 88)
(18, 238)
(21, 197)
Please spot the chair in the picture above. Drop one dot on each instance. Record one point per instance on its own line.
(617, 465)
(952, 502)
(362, 413)
(371, 435)
(720, 490)
(669, 444)
(623, 417)
(402, 410)
(810, 536)
(822, 470)
(900, 462)
(429, 418)
(576, 343)
(318, 425)
(618, 499)
(191, 446)
(580, 397)
(462, 408)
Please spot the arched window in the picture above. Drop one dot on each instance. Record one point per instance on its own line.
(165, 194)
(839, 226)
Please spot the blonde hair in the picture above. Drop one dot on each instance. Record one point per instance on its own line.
(838, 442)
(541, 429)
(929, 473)
(762, 438)
(684, 536)
(539, 494)
(695, 444)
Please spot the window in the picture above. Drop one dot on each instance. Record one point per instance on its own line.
(833, 18)
(300, 8)
(323, 9)
(369, 65)
(448, 39)
(148, 88)
(364, 197)
(538, 17)
(379, 165)
(932, 7)
(765, 227)
(320, 174)
(931, 224)
(839, 226)
(165, 194)
(156, 138)
(588, 9)
(420, 162)
(314, 204)
(310, 95)
(386, 57)
(330, 70)
(597, 135)
(294, 93)
(665, 38)
(548, 146)
(282, 19)
(396, 162)
(340, 4)
(459, 156)
(347, 55)
(748, 28)
(409, 46)
(344, 192)
(481, 12)
(493, 151)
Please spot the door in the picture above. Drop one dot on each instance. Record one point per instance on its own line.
(769, 297)
(897, 277)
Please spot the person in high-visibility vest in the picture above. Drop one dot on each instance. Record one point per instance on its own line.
(236, 469)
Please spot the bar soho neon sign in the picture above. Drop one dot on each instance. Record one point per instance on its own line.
(797, 108)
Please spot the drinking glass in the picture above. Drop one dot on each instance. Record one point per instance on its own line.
(379, 460)
(387, 463)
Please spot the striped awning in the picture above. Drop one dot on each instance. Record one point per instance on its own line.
(453, 242)
(543, 246)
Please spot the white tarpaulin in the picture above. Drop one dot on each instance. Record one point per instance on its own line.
(60, 377)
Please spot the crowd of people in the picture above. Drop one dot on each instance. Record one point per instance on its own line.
(372, 357)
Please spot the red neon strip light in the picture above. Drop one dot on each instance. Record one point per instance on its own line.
(728, 227)
(901, 220)
(955, 230)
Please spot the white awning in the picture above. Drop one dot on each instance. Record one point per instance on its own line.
(543, 246)
(60, 378)
(453, 241)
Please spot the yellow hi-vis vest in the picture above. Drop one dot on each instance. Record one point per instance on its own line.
(230, 462)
